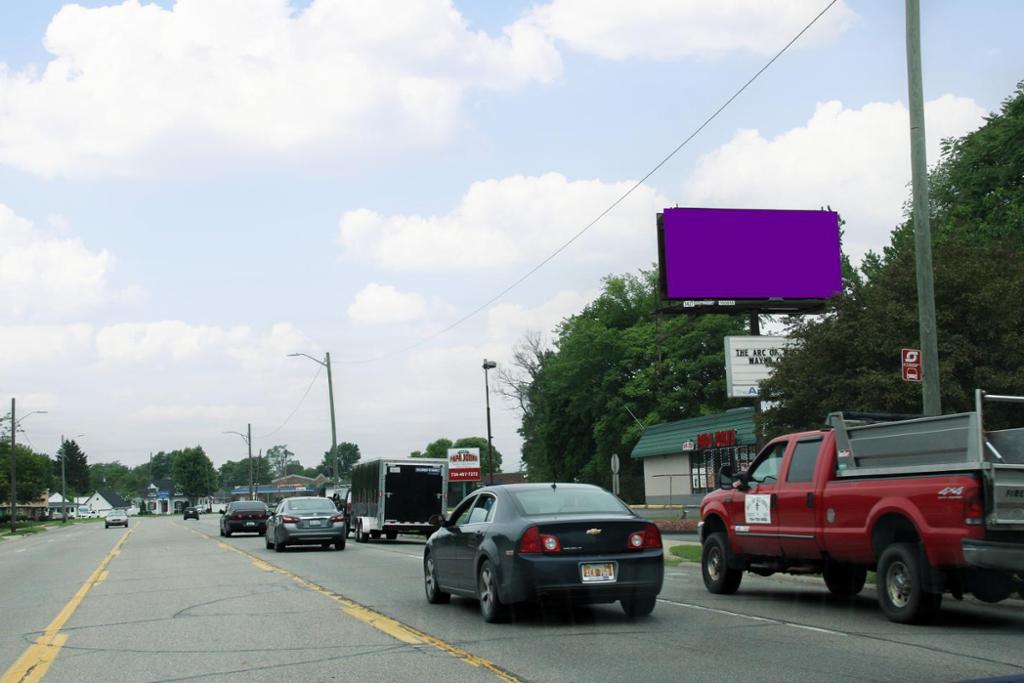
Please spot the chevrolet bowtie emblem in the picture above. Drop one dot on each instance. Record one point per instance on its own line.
(593, 532)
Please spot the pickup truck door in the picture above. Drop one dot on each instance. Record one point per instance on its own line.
(753, 514)
(799, 510)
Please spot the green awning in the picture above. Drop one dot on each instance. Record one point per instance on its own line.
(668, 438)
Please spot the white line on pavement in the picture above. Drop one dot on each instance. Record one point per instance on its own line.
(751, 617)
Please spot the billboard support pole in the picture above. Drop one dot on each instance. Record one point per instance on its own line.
(931, 396)
(755, 331)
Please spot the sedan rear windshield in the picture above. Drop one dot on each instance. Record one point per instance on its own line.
(322, 505)
(568, 500)
(248, 506)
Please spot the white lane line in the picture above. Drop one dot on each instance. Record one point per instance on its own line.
(750, 617)
(21, 550)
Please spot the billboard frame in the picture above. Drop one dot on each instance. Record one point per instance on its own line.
(723, 306)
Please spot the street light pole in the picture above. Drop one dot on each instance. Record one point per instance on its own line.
(330, 397)
(488, 365)
(14, 472)
(63, 482)
(248, 442)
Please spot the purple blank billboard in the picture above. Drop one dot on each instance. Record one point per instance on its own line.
(749, 254)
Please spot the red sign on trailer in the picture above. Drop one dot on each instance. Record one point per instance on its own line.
(911, 364)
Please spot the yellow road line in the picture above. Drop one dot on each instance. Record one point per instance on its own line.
(392, 627)
(34, 662)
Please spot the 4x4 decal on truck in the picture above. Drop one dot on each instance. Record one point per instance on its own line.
(758, 509)
(951, 493)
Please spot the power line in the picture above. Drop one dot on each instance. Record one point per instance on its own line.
(608, 209)
(292, 414)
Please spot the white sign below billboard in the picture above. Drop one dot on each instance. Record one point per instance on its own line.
(463, 464)
(748, 360)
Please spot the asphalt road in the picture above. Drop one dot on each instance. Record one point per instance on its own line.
(179, 603)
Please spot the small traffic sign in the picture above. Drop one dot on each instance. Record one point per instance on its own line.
(911, 364)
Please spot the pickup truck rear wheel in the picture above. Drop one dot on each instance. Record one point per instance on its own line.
(901, 594)
(844, 580)
(714, 566)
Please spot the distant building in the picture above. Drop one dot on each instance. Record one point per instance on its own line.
(162, 497)
(105, 500)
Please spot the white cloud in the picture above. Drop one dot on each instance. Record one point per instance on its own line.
(669, 29)
(33, 344)
(382, 304)
(506, 222)
(855, 160)
(173, 339)
(510, 321)
(271, 350)
(43, 277)
(135, 86)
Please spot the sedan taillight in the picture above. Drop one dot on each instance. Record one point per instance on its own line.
(530, 542)
(288, 519)
(338, 518)
(237, 515)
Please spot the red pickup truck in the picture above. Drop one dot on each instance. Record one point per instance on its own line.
(933, 505)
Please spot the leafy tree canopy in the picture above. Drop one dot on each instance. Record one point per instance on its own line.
(34, 473)
(613, 360)
(193, 472)
(849, 359)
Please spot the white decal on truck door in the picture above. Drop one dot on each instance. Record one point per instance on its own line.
(758, 508)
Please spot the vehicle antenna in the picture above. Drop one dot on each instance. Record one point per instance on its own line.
(554, 486)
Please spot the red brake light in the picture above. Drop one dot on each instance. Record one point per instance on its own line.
(338, 518)
(288, 519)
(530, 542)
(237, 515)
(648, 539)
(974, 512)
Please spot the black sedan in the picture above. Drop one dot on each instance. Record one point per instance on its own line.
(191, 513)
(244, 515)
(306, 520)
(528, 542)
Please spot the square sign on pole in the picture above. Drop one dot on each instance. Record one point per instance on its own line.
(463, 464)
(911, 364)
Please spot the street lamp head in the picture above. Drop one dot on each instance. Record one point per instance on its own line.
(489, 364)
(293, 355)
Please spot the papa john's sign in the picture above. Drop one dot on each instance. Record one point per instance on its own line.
(463, 464)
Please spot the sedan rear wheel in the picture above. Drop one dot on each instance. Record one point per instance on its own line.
(435, 596)
(639, 605)
(266, 540)
(487, 590)
(279, 546)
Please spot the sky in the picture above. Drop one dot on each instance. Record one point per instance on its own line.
(191, 190)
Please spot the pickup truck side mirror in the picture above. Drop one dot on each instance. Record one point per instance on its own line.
(725, 476)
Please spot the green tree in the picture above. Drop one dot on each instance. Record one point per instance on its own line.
(348, 455)
(161, 466)
(613, 360)
(236, 472)
(112, 475)
(76, 468)
(434, 449)
(34, 477)
(193, 473)
(279, 458)
(849, 358)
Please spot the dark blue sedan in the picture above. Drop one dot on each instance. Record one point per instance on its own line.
(527, 542)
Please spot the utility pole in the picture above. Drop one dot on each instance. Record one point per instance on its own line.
(922, 229)
(14, 473)
(334, 429)
(248, 442)
(63, 480)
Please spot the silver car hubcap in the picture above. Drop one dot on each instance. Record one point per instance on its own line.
(714, 563)
(429, 578)
(485, 588)
(897, 581)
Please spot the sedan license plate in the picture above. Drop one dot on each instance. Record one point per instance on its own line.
(593, 572)
(250, 523)
(315, 522)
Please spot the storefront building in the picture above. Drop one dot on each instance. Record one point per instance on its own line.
(681, 459)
